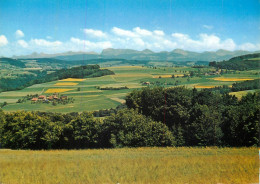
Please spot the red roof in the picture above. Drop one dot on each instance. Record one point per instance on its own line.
(42, 96)
(34, 99)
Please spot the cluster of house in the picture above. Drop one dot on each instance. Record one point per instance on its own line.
(48, 98)
(217, 72)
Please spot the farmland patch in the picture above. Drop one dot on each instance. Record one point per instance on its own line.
(72, 80)
(232, 79)
(66, 84)
(57, 90)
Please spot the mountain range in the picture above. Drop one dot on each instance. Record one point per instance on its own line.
(129, 54)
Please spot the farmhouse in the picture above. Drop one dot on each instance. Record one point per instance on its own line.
(42, 97)
(34, 99)
(50, 97)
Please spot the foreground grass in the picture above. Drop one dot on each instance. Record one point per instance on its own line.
(130, 165)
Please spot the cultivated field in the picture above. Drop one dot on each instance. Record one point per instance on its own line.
(88, 97)
(131, 165)
(239, 94)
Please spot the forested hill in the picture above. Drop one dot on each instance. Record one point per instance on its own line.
(14, 62)
(244, 62)
(8, 84)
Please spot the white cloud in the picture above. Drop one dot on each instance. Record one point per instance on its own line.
(19, 34)
(3, 40)
(86, 45)
(208, 26)
(22, 43)
(180, 36)
(121, 32)
(95, 33)
(139, 42)
(159, 32)
(136, 38)
(249, 46)
(45, 43)
(142, 32)
(204, 43)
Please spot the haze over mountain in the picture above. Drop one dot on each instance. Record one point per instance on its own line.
(130, 54)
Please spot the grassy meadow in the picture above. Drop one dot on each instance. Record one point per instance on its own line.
(131, 165)
(88, 97)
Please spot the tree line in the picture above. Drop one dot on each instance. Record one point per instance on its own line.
(39, 130)
(153, 117)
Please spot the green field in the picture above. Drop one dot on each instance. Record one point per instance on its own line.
(90, 98)
(239, 94)
(131, 165)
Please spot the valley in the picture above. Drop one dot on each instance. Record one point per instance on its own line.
(89, 96)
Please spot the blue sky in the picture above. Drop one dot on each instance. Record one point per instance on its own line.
(92, 25)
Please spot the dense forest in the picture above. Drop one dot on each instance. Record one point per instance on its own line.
(153, 117)
(8, 84)
(245, 62)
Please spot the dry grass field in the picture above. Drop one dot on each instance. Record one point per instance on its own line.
(131, 165)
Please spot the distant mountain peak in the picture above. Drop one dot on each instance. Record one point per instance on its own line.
(147, 51)
(146, 54)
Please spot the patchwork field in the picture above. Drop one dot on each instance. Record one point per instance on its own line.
(87, 97)
(131, 165)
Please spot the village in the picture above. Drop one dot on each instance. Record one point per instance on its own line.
(53, 99)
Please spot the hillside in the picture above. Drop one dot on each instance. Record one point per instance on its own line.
(244, 62)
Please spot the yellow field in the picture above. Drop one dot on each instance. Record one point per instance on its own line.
(57, 90)
(66, 84)
(131, 165)
(231, 79)
(72, 80)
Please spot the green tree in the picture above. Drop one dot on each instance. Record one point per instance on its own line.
(128, 128)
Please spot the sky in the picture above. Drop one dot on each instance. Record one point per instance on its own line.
(55, 26)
